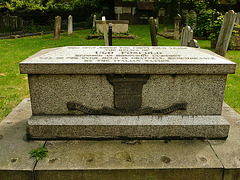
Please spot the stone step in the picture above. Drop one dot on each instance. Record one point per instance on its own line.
(117, 159)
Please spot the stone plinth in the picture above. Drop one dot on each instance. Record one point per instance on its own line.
(186, 83)
(119, 26)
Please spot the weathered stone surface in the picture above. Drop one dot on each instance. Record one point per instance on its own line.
(122, 127)
(105, 31)
(229, 151)
(149, 159)
(193, 43)
(57, 27)
(70, 25)
(186, 35)
(126, 60)
(225, 33)
(129, 160)
(202, 93)
(153, 31)
(197, 91)
(119, 26)
(15, 162)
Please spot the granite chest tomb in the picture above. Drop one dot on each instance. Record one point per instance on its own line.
(126, 92)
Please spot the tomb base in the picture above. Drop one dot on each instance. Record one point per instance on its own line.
(127, 127)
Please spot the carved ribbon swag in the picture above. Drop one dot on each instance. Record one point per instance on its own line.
(126, 112)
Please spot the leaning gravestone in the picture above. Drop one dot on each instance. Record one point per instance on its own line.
(225, 33)
(186, 36)
(127, 92)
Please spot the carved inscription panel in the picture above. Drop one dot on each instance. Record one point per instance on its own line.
(127, 54)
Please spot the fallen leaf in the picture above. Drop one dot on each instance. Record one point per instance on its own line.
(2, 74)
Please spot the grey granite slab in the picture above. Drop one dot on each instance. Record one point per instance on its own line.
(203, 93)
(125, 127)
(15, 162)
(129, 160)
(118, 159)
(229, 151)
(126, 60)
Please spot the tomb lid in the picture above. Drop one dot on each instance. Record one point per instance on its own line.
(126, 60)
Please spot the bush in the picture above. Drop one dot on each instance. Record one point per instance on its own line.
(215, 28)
(204, 21)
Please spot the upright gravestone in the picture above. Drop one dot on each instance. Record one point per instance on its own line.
(105, 31)
(70, 25)
(186, 35)
(94, 21)
(57, 28)
(153, 31)
(177, 21)
(127, 92)
(225, 33)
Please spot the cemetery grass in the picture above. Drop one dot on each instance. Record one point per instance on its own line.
(14, 86)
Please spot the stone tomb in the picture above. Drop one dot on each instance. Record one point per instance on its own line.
(127, 92)
(118, 26)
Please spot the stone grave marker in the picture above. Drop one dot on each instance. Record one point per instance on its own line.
(193, 43)
(105, 31)
(153, 31)
(177, 21)
(186, 35)
(225, 33)
(70, 25)
(94, 21)
(57, 28)
(148, 92)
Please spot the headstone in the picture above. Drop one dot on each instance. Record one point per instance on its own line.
(186, 35)
(110, 34)
(225, 33)
(193, 43)
(94, 21)
(238, 18)
(105, 31)
(57, 28)
(70, 25)
(149, 92)
(153, 31)
(177, 21)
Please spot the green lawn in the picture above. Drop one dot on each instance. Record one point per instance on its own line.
(14, 86)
